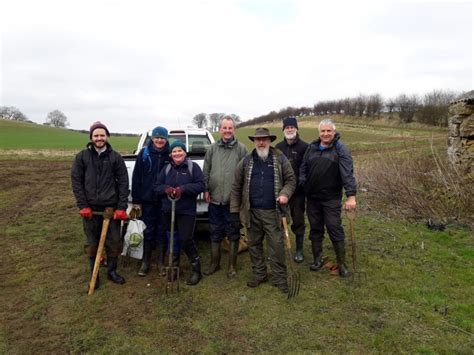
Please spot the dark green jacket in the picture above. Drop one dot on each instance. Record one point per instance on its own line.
(285, 183)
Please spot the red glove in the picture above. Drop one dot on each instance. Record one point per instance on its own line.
(178, 191)
(120, 214)
(169, 191)
(86, 212)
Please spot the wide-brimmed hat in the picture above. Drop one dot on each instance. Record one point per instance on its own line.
(262, 132)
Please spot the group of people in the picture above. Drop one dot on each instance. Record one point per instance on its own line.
(242, 188)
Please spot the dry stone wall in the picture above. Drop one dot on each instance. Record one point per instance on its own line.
(461, 132)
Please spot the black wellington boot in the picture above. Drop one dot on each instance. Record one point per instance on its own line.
(233, 251)
(112, 271)
(215, 259)
(196, 275)
(340, 249)
(146, 261)
(317, 247)
(91, 266)
(299, 257)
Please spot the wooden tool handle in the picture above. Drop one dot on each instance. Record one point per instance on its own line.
(105, 226)
(287, 236)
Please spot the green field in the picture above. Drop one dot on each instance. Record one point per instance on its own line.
(416, 296)
(16, 135)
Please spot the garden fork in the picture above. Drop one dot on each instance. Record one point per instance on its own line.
(351, 215)
(294, 279)
(171, 272)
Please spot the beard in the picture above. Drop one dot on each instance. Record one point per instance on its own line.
(290, 135)
(263, 153)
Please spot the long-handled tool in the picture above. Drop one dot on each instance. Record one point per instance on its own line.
(172, 272)
(351, 215)
(107, 214)
(294, 279)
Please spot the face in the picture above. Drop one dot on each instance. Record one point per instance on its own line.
(290, 132)
(99, 138)
(159, 142)
(326, 134)
(262, 143)
(178, 155)
(227, 130)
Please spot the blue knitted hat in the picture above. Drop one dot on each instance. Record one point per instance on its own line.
(177, 143)
(159, 132)
(290, 121)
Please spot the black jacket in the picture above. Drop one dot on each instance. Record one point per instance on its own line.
(324, 173)
(146, 170)
(294, 153)
(100, 181)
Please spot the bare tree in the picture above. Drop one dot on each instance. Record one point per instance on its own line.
(434, 110)
(57, 119)
(407, 106)
(374, 105)
(214, 119)
(200, 120)
(11, 113)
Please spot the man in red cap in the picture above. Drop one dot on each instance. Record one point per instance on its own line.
(99, 180)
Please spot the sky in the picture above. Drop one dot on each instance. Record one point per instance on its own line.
(138, 64)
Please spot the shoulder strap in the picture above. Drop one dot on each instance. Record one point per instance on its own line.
(190, 167)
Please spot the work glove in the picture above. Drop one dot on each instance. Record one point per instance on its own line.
(120, 214)
(235, 220)
(169, 191)
(177, 192)
(86, 212)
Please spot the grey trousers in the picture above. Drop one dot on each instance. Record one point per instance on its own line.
(265, 224)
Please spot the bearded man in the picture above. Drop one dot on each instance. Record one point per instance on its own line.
(263, 180)
(294, 148)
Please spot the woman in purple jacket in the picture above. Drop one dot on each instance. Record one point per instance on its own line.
(182, 180)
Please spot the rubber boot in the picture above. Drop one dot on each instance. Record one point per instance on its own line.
(91, 266)
(299, 257)
(196, 275)
(340, 249)
(146, 261)
(317, 247)
(112, 271)
(215, 259)
(233, 251)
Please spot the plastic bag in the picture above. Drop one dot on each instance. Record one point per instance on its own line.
(133, 240)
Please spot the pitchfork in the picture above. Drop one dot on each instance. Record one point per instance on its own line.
(351, 215)
(294, 279)
(172, 272)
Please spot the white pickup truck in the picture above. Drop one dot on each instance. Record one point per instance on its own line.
(196, 140)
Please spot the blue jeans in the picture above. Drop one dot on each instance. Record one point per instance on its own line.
(220, 223)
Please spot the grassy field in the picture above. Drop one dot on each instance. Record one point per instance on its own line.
(30, 138)
(416, 297)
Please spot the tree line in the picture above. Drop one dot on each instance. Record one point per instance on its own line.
(55, 118)
(211, 121)
(430, 108)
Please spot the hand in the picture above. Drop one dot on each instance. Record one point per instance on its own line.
(235, 219)
(207, 197)
(177, 192)
(86, 212)
(169, 191)
(282, 199)
(350, 204)
(137, 206)
(120, 214)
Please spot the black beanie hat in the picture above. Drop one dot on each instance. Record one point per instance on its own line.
(290, 121)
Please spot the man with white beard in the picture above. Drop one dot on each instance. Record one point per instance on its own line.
(263, 180)
(294, 148)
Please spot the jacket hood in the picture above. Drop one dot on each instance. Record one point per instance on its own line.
(317, 142)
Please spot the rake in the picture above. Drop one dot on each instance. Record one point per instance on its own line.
(171, 273)
(356, 275)
(294, 279)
